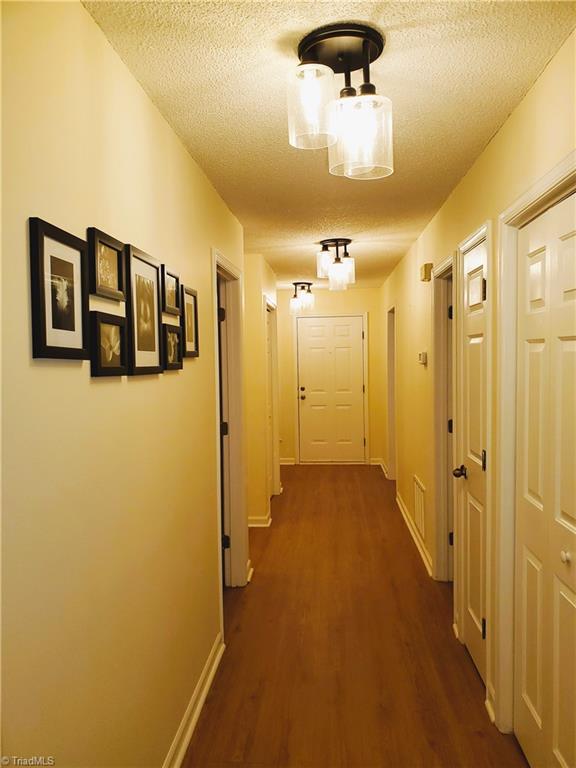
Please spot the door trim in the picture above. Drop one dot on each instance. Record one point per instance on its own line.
(483, 234)
(270, 306)
(554, 186)
(239, 556)
(441, 571)
(365, 399)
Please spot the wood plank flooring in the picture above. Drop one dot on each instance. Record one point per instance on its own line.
(340, 653)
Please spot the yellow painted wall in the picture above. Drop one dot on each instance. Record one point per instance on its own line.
(110, 548)
(352, 301)
(537, 136)
(259, 285)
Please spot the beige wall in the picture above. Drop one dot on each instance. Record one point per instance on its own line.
(538, 134)
(259, 286)
(110, 550)
(353, 301)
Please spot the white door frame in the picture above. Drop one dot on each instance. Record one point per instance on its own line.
(441, 569)
(365, 400)
(558, 183)
(272, 308)
(239, 556)
(391, 434)
(483, 234)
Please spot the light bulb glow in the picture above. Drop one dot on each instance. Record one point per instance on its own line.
(311, 89)
(350, 265)
(363, 149)
(307, 300)
(338, 276)
(295, 305)
(323, 261)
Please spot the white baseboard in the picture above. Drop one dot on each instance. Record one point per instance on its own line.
(380, 463)
(249, 571)
(424, 554)
(177, 751)
(456, 633)
(287, 462)
(490, 709)
(260, 522)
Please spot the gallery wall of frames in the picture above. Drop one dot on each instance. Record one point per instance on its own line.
(65, 270)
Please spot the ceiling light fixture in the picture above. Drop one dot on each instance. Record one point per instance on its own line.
(357, 129)
(303, 301)
(340, 269)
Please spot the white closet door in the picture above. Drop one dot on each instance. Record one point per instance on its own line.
(545, 647)
(330, 389)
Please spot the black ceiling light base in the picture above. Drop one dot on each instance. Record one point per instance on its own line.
(343, 47)
(336, 242)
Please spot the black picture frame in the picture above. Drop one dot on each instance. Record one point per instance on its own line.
(59, 310)
(144, 313)
(97, 242)
(189, 322)
(170, 347)
(167, 277)
(106, 349)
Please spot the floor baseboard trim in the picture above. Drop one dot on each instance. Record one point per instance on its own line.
(380, 463)
(456, 633)
(287, 462)
(490, 709)
(249, 571)
(424, 554)
(177, 751)
(260, 522)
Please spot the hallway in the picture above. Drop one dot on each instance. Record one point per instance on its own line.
(341, 650)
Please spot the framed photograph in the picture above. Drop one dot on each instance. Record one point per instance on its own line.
(59, 281)
(170, 291)
(109, 346)
(189, 322)
(172, 347)
(143, 312)
(106, 265)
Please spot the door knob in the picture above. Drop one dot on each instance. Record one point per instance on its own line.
(302, 397)
(566, 557)
(460, 471)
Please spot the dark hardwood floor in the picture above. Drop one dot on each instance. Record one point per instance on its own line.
(340, 653)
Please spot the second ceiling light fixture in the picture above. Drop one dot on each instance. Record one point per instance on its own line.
(356, 128)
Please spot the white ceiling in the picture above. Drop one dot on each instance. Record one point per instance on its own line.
(217, 71)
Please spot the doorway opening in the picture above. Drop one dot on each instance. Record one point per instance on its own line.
(391, 360)
(232, 521)
(444, 419)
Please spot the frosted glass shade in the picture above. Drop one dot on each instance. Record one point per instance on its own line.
(363, 149)
(307, 300)
(350, 265)
(295, 305)
(311, 89)
(338, 276)
(323, 261)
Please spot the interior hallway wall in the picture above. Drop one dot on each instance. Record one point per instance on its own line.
(354, 301)
(110, 547)
(537, 136)
(259, 286)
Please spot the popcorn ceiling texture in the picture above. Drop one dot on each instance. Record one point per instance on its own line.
(217, 72)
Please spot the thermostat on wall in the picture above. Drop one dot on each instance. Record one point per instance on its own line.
(423, 358)
(426, 272)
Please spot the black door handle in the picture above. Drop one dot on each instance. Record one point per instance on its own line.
(302, 397)
(460, 471)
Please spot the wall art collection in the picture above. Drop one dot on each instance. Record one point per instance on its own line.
(66, 269)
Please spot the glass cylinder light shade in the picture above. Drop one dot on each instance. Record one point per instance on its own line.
(323, 261)
(363, 149)
(295, 305)
(311, 89)
(350, 264)
(338, 276)
(307, 300)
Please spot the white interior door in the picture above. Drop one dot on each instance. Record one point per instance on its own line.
(545, 643)
(331, 389)
(470, 425)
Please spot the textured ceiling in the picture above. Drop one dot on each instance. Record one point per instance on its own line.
(217, 71)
